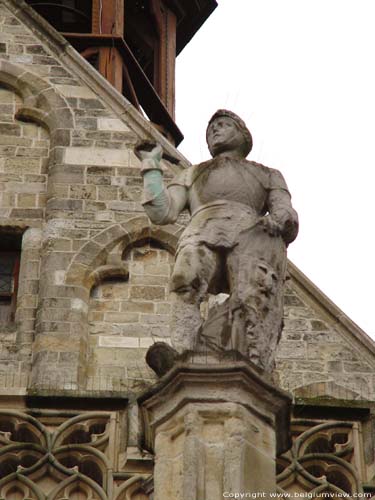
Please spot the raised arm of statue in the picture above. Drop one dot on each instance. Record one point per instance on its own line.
(162, 205)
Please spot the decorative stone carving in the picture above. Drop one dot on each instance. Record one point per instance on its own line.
(62, 455)
(326, 457)
(214, 428)
(241, 223)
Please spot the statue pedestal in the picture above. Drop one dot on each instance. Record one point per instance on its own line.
(215, 425)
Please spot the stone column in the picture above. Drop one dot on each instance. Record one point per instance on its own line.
(60, 345)
(215, 426)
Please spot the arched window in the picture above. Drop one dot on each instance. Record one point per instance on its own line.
(10, 251)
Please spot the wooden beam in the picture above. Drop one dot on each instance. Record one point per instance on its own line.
(110, 66)
(90, 51)
(165, 54)
(168, 85)
(112, 17)
(108, 18)
(95, 18)
(146, 93)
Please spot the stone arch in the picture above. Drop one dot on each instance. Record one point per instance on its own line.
(94, 253)
(131, 487)
(22, 483)
(89, 266)
(41, 103)
(75, 483)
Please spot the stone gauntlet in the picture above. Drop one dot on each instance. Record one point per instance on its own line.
(287, 219)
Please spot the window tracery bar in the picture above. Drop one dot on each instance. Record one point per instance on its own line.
(326, 456)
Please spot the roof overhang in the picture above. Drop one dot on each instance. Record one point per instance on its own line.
(191, 14)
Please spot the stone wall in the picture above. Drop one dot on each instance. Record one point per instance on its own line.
(318, 348)
(127, 316)
(83, 195)
(24, 155)
(24, 151)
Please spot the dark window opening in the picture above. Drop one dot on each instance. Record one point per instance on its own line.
(72, 16)
(10, 245)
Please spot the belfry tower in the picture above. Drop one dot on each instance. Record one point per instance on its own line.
(133, 44)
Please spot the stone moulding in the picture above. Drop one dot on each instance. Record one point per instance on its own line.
(41, 103)
(94, 252)
(108, 272)
(223, 381)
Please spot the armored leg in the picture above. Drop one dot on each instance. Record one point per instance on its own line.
(195, 269)
(256, 271)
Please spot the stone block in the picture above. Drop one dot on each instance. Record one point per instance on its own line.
(76, 91)
(99, 135)
(157, 269)
(158, 331)
(145, 342)
(90, 103)
(35, 49)
(95, 156)
(118, 342)
(82, 191)
(296, 324)
(8, 200)
(140, 307)
(26, 213)
(114, 124)
(65, 204)
(163, 308)
(97, 325)
(146, 280)
(107, 193)
(335, 366)
(77, 143)
(153, 319)
(10, 129)
(101, 171)
(56, 342)
(292, 349)
(147, 292)
(87, 123)
(25, 200)
(360, 367)
(318, 325)
(292, 300)
(30, 188)
(15, 141)
(121, 317)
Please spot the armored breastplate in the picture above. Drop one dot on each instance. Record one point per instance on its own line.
(228, 179)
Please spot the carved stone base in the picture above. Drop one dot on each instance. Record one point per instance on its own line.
(215, 427)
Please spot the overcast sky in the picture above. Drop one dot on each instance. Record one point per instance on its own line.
(301, 73)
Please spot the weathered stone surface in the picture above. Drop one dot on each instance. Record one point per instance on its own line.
(95, 156)
(239, 229)
(214, 428)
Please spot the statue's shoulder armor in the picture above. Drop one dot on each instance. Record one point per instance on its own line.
(271, 178)
(259, 171)
(188, 176)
